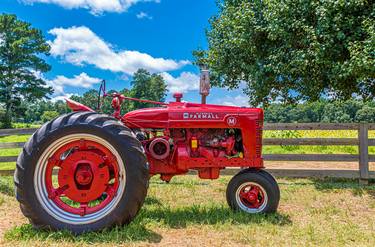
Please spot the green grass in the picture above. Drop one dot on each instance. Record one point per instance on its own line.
(189, 211)
(11, 151)
(24, 125)
(14, 138)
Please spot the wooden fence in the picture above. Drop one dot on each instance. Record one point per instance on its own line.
(362, 141)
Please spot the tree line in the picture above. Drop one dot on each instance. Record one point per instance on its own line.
(144, 85)
(350, 111)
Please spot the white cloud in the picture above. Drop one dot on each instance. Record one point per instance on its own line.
(239, 100)
(63, 97)
(185, 82)
(80, 81)
(94, 6)
(79, 46)
(143, 15)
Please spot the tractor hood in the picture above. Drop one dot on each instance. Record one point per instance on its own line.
(190, 115)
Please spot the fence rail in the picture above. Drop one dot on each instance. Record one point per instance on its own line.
(362, 141)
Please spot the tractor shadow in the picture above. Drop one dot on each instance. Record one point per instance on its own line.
(152, 201)
(178, 218)
(154, 213)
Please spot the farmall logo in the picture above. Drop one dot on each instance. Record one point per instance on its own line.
(200, 115)
(231, 121)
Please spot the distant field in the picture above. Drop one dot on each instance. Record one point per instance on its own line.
(266, 149)
(193, 212)
(314, 149)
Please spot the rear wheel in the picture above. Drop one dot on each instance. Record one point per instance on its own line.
(253, 191)
(82, 171)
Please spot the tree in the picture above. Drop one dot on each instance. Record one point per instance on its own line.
(366, 114)
(291, 50)
(34, 110)
(89, 98)
(21, 51)
(147, 86)
(144, 86)
(49, 115)
(321, 111)
(335, 113)
(2, 115)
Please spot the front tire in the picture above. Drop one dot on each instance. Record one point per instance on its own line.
(253, 191)
(83, 172)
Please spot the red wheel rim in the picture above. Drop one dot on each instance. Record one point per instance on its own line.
(251, 197)
(87, 177)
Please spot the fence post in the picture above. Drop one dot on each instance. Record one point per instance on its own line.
(363, 153)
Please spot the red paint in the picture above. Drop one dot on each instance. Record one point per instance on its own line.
(227, 136)
(177, 96)
(159, 148)
(252, 196)
(75, 106)
(83, 176)
(189, 116)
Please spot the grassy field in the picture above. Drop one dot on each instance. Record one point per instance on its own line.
(266, 149)
(192, 212)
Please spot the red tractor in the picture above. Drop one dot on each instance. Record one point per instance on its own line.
(85, 171)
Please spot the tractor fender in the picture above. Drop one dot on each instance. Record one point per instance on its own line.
(76, 106)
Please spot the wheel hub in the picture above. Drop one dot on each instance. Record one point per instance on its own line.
(83, 176)
(252, 196)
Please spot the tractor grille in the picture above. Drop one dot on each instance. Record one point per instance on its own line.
(258, 134)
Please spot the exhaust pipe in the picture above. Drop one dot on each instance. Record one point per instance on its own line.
(204, 85)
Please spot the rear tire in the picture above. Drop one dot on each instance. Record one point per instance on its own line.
(129, 165)
(253, 191)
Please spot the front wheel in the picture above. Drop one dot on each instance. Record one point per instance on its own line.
(253, 191)
(81, 172)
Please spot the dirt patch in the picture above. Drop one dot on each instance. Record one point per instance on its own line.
(10, 214)
(194, 237)
(315, 165)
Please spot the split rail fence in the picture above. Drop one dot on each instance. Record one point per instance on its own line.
(362, 141)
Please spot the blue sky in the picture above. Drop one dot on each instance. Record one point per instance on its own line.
(110, 39)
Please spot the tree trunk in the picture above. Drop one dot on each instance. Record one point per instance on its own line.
(7, 121)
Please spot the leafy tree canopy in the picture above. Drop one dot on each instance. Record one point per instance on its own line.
(144, 86)
(290, 50)
(34, 110)
(147, 86)
(49, 115)
(21, 51)
(350, 111)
